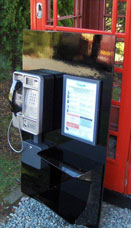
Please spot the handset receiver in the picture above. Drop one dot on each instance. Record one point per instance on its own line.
(15, 86)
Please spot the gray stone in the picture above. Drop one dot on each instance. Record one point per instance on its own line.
(13, 196)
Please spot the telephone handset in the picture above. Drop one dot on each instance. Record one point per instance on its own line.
(15, 108)
(16, 86)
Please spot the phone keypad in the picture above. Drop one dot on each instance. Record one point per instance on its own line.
(32, 98)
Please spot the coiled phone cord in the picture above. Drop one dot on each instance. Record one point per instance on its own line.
(8, 137)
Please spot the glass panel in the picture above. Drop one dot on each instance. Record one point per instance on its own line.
(65, 7)
(97, 14)
(122, 8)
(108, 23)
(117, 78)
(108, 15)
(114, 118)
(91, 14)
(50, 12)
(116, 91)
(65, 11)
(109, 7)
(66, 23)
(112, 146)
(120, 27)
(119, 54)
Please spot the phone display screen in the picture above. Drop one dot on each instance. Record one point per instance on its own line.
(29, 81)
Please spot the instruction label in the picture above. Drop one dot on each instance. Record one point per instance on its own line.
(80, 108)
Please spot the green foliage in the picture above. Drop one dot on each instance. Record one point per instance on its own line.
(14, 17)
(120, 48)
(5, 67)
(108, 6)
(65, 8)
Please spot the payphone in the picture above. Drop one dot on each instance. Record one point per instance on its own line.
(25, 98)
(63, 98)
(34, 105)
(32, 98)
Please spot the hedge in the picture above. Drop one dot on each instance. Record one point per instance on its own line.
(14, 17)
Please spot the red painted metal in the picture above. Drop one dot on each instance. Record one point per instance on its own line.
(33, 14)
(120, 35)
(116, 173)
(126, 93)
(128, 177)
(114, 16)
(113, 132)
(81, 30)
(128, 173)
(48, 12)
(55, 8)
(118, 69)
(81, 12)
(118, 170)
(44, 21)
(75, 12)
(39, 22)
(114, 119)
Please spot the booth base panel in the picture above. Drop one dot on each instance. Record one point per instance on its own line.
(63, 202)
(78, 201)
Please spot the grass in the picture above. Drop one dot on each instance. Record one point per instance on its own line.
(9, 162)
(4, 124)
(9, 173)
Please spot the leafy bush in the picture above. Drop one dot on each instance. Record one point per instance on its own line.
(65, 8)
(14, 17)
(5, 67)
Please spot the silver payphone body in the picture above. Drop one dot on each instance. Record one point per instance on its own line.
(29, 97)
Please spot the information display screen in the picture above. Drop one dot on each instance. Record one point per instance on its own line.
(80, 108)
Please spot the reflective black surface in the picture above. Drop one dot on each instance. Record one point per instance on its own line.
(74, 156)
(73, 53)
(87, 55)
(71, 181)
(76, 200)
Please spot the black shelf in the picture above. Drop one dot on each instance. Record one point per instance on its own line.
(61, 158)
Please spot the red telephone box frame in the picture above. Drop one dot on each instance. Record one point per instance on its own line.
(118, 170)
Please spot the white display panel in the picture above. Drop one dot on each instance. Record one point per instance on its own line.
(80, 108)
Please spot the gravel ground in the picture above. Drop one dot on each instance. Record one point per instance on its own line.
(32, 214)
